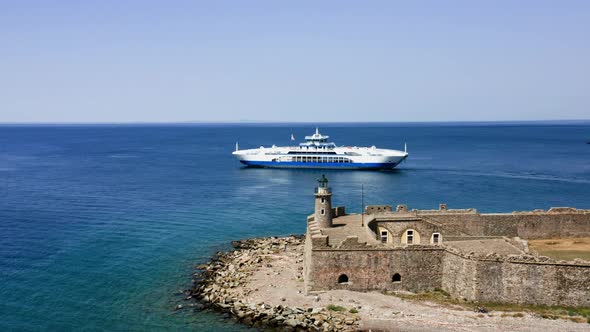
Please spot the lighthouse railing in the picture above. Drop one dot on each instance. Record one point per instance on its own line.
(319, 190)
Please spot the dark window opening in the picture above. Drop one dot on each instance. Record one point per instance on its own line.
(396, 278)
(410, 237)
(342, 279)
(436, 238)
(322, 152)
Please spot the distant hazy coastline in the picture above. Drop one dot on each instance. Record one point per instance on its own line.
(310, 124)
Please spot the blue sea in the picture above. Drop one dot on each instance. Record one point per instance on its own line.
(101, 225)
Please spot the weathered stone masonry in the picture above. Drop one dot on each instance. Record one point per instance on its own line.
(516, 280)
(420, 250)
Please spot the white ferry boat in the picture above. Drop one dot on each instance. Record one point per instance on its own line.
(317, 152)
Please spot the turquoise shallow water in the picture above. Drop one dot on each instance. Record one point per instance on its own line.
(100, 225)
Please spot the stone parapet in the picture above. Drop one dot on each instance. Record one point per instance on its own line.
(520, 279)
(523, 259)
(377, 209)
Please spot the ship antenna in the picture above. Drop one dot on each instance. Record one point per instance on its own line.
(237, 147)
(405, 147)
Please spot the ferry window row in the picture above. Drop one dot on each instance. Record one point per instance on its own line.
(311, 152)
(306, 159)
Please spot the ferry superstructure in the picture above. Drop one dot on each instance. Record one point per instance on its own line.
(317, 152)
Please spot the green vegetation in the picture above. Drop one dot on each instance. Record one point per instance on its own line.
(566, 255)
(333, 307)
(575, 314)
(353, 311)
(516, 314)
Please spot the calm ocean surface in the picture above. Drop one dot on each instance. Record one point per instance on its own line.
(100, 225)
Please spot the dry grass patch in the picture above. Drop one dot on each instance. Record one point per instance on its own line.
(563, 249)
(516, 314)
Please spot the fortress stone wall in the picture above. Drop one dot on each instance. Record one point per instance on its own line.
(373, 268)
(473, 256)
(520, 279)
(557, 222)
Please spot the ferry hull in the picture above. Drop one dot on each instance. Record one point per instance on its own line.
(278, 164)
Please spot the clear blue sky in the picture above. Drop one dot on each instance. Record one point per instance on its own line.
(312, 61)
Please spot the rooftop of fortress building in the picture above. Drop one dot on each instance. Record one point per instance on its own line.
(346, 226)
(355, 230)
(382, 226)
(349, 228)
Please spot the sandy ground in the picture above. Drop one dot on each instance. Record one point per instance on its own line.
(567, 249)
(278, 280)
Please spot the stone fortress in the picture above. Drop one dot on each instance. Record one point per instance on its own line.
(472, 256)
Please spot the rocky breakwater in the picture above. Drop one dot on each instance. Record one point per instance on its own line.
(224, 284)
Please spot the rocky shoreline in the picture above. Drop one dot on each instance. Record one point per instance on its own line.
(222, 285)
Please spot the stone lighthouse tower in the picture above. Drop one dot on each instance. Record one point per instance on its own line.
(323, 203)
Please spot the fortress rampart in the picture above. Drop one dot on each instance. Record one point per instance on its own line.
(538, 224)
(517, 279)
(523, 279)
(473, 256)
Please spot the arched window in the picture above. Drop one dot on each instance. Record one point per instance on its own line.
(342, 279)
(396, 278)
